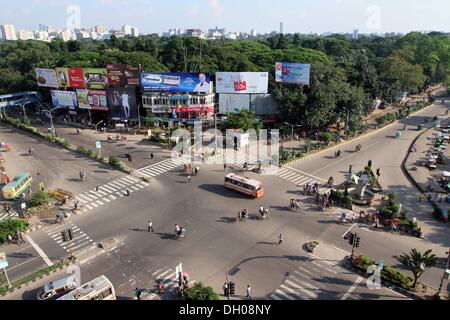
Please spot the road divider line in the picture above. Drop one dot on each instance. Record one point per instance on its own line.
(354, 225)
(39, 250)
(350, 291)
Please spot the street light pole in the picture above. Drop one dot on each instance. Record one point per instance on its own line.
(292, 135)
(445, 272)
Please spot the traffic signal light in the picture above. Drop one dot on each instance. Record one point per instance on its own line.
(232, 288)
(65, 235)
(70, 233)
(358, 239)
(350, 237)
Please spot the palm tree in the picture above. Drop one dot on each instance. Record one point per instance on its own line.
(418, 263)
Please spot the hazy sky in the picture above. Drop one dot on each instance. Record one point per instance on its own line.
(154, 16)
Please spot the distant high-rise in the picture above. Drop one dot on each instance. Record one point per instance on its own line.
(130, 31)
(355, 34)
(25, 35)
(281, 27)
(100, 29)
(253, 33)
(43, 27)
(8, 32)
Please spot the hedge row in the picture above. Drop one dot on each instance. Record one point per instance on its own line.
(388, 273)
(10, 226)
(402, 113)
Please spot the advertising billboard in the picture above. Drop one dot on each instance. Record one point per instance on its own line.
(64, 99)
(122, 104)
(177, 82)
(76, 78)
(62, 75)
(95, 78)
(121, 75)
(228, 103)
(242, 82)
(296, 73)
(92, 99)
(46, 78)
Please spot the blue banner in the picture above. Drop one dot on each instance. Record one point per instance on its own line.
(176, 82)
(292, 73)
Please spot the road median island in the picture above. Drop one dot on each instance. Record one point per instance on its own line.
(17, 123)
(31, 278)
(391, 278)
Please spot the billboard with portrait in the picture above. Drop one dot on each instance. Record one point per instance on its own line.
(176, 82)
(62, 76)
(92, 99)
(76, 78)
(296, 73)
(242, 82)
(64, 99)
(95, 78)
(46, 78)
(122, 104)
(121, 75)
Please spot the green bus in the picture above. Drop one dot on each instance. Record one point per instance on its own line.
(17, 186)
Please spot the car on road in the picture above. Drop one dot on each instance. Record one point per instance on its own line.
(56, 289)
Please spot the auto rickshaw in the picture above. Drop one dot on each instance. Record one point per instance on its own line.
(4, 147)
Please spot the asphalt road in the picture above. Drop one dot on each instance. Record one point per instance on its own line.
(248, 251)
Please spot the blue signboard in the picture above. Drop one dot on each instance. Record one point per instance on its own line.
(293, 73)
(176, 82)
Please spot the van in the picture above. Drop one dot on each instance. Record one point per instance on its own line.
(58, 288)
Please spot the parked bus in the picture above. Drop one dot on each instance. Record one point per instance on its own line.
(249, 187)
(98, 289)
(17, 186)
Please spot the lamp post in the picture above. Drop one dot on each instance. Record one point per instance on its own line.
(96, 126)
(292, 134)
(51, 119)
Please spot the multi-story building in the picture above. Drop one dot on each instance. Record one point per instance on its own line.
(130, 31)
(253, 33)
(195, 33)
(100, 29)
(66, 35)
(117, 33)
(8, 32)
(25, 35)
(175, 108)
(217, 33)
(41, 35)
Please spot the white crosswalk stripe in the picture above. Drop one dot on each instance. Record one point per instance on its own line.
(307, 282)
(80, 242)
(12, 215)
(109, 192)
(297, 177)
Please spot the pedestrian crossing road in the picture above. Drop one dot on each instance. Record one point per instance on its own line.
(80, 243)
(110, 192)
(298, 177)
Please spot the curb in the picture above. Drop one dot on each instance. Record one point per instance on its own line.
(354, 139)
(384, 282)
(65, 265)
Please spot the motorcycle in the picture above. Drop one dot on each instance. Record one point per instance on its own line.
(181, 234)
(337, 154)
(295, 205)
(358, 148)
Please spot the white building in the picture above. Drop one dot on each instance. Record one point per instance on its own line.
(25, 35)
(231, 36)
(253, 33)
(130, 31)
(66, 35)
(217, 33)
(41, 35)
(195, 33)
(8, 32)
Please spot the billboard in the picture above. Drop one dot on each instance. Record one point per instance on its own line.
(177, 82)
(122, 104)
(92, 99)
(62, 76)
(95, 78)
(46, 78)
(228, 103)
(292, 73)
(242, 82)
(64, 99)
(76, 78)
(121, 75)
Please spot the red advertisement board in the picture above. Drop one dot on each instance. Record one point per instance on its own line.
(76, 78)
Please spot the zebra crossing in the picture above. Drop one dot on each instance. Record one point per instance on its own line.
(308, 283)
(298, 177)
(11, 215)
(80, 243)
(109, 192)
(162, 167)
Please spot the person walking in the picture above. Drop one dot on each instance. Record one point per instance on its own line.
(97, 188)
(150, 226)
(138, 293)
(152, 156)
(225, 289)
(280, 239)
(127, 192)
(188, 180)
(249, 292)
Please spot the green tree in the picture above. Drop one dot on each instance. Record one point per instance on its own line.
(199, 292)
(417, 262)
(297, 41)
(282, 42)
(245, 120)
